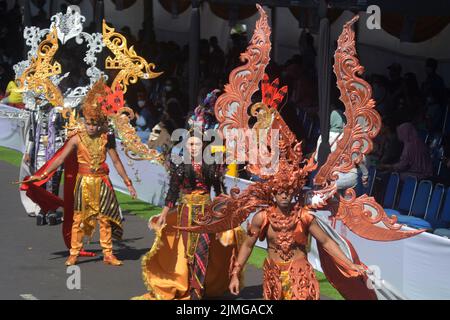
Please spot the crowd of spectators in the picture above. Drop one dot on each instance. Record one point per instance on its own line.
(412, 140)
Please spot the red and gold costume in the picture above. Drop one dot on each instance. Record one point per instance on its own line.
(94, 195)
(88, 192)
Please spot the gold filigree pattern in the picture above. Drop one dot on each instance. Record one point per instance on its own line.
(132, 144)
(263, 115)
(95, 147)
(37, 76)
(132, 67)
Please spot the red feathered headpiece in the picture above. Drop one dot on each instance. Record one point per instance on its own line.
(271, 95)
(112, 101)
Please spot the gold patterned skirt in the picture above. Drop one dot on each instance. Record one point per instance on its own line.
(293, 280)
(167, 268)
(95, 196)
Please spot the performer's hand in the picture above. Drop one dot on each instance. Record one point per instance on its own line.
(365, 181)
(234, 285)
(132, 192)
(358, 268)
(33, 179)
(27, 158)
(161, 220)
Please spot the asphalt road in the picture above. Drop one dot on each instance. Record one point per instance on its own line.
(32, 257)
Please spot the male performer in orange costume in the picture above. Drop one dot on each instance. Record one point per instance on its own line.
(84, 156)
(286, 225)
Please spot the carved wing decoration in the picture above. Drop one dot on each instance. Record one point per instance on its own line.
(36, 77)
(363, 121)
(231, 108)
(132, 67)
(360, 214)
(132, 144)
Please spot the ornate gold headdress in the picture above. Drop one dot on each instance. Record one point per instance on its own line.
(131, 66)
(37, 76)
(92, 106)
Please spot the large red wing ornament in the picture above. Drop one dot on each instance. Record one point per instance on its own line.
(231, 108)
(363, 215)
(233, 112)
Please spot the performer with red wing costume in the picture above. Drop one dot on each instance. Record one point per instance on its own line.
(287, 226)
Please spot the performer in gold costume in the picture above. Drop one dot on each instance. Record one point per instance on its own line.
(84, 156)
(184, 265)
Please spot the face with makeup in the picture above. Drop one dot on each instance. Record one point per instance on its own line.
(194, 146)
(283, 198)
(92, 127)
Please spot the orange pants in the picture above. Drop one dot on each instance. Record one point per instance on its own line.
(76, 242)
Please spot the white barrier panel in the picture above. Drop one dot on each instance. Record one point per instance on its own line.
(12, 130)
(419, 267)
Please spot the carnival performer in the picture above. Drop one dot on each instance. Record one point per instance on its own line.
(184, 265)
(284, 214)
(45, 136)
(84, 156)
(287, 225)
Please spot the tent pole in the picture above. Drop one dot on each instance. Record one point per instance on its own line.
(324, 73)
(149, 29)
(274, 34)
(194, 41)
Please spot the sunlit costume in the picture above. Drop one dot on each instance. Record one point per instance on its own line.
(38, 78)
(87, 175)
(294, 278)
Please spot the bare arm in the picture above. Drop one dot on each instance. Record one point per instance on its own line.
(118, 164)
(331, 246)
(245, 251)
(121, 171)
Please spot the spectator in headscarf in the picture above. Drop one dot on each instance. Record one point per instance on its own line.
(350, 179)
(415, 159)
